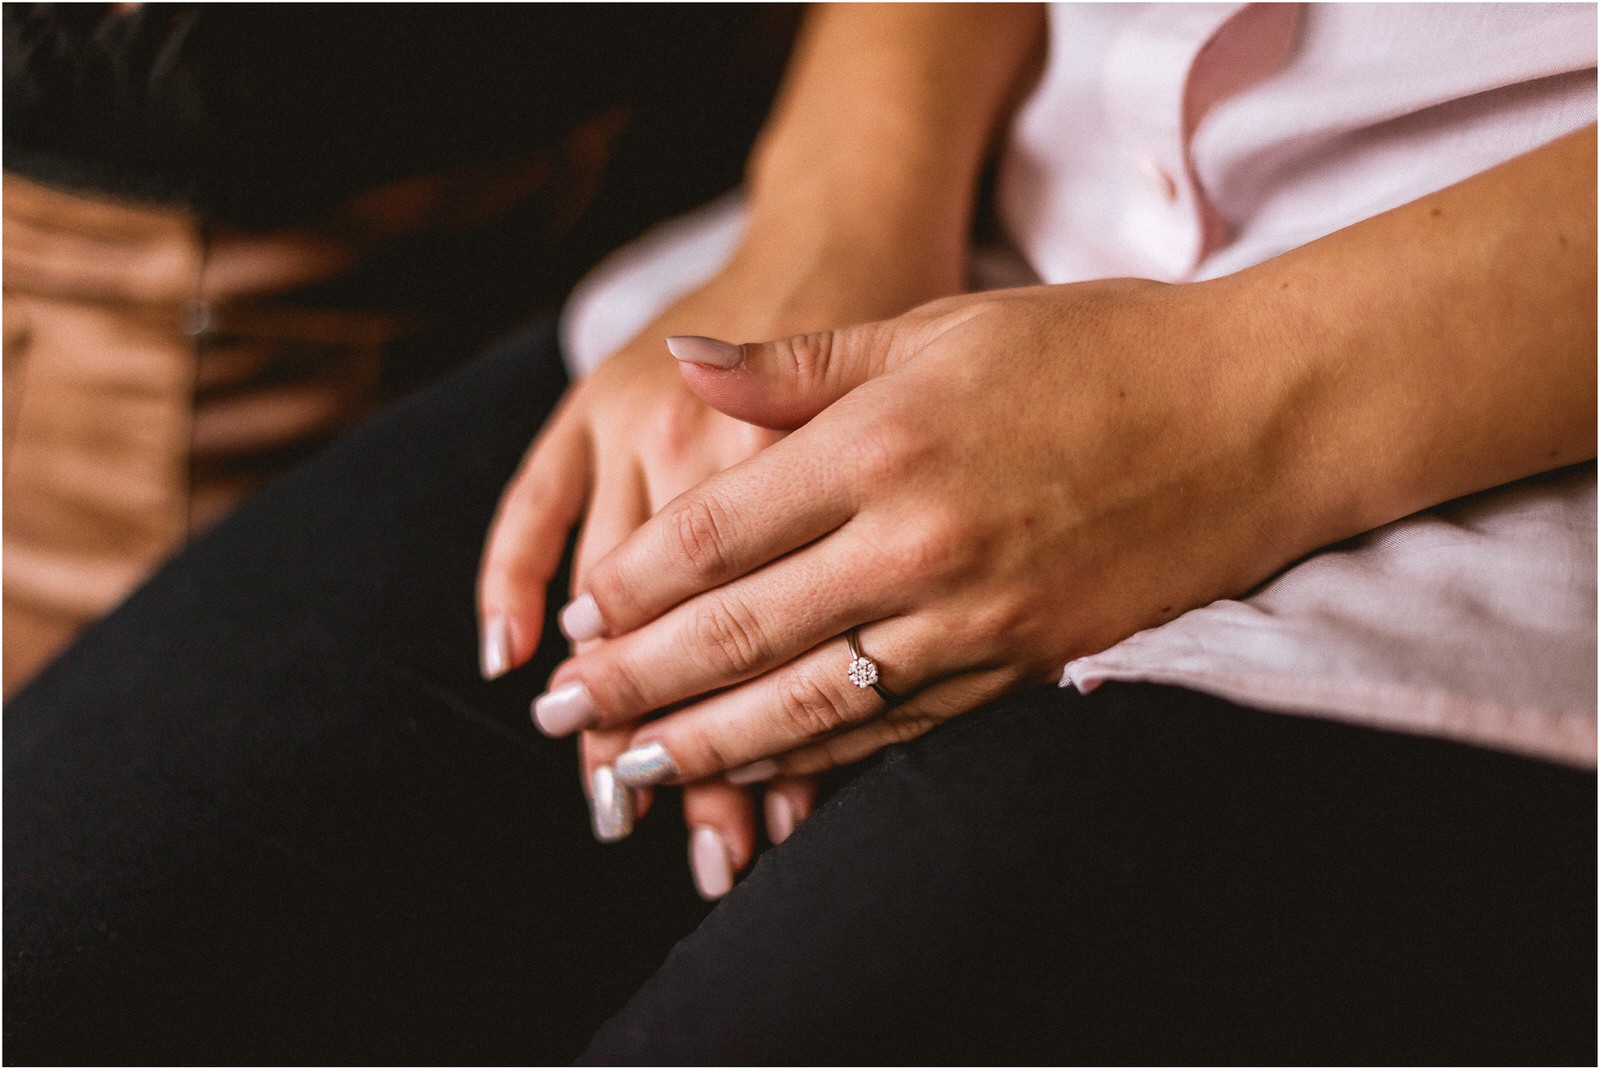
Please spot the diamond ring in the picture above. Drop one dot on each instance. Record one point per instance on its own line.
(863, 670)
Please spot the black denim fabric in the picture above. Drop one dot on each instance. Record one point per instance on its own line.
(268, 813)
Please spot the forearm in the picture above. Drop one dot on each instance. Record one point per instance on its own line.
(1438, 349)
(876, 144)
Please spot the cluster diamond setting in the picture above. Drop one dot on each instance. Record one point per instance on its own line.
(863, 672)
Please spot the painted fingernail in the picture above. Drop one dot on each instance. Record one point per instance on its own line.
(580, 620)
(693, 349)
(496, 651)
(565, 710)
(710, 863)
(610, 806)
(780, 816)
(754, 772)
(646, 766)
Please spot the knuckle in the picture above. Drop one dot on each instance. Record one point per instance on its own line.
(711, 753)
(606, 581)
(877, 454)
(615, 686)
(930, 549)
(924, 550)
(897, 441)
(1001, 620)
(727, 636)
(809, 708)
(806, 357)
(703, 531)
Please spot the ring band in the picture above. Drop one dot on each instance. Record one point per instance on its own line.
(863, 670)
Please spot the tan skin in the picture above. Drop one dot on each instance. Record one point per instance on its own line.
(1162, 445)
(994, 484)
(859, 197)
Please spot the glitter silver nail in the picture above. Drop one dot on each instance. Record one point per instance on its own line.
(646, 766)
(611, 805)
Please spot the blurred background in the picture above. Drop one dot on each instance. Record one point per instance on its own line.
(231, 232)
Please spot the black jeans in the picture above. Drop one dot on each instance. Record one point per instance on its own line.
(267, 812)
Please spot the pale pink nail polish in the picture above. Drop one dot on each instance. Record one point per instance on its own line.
(565, 710)
(754, 772)
(780, 816)
(693, 349)
(496, 649)
(710, 863)
(580, 620)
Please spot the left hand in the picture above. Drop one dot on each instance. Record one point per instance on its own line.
(995, 484)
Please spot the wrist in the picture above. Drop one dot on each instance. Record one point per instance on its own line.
(1307, 463)
(1349, 433)
(886, 119)
(762, 294)
(911, 237)
(1439, 349)
(814, 273)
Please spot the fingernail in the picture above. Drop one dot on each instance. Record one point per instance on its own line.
(754, 772)
(646, 766)
(496, 652)
(780, 816)
(611, 806)
(580, 620)
(709, 861)
(693, 349)
(565, 710)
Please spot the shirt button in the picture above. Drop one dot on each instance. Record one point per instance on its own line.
(1157, 178)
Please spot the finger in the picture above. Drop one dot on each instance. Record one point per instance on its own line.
(722, 834)
(940, 702)
(791, 494)
(526, 540)
(618, 509)
(614, 807)
(732, 633)
(809, 699)
(788, 801)
(783, 383)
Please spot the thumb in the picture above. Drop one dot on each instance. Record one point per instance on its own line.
(781, 384)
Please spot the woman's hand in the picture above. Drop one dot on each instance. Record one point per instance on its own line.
(624, 442)
(861, 192)
(996, 484)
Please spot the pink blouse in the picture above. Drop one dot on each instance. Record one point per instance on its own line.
(1184, 142)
